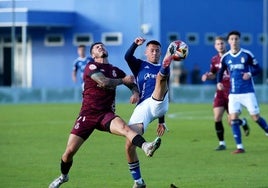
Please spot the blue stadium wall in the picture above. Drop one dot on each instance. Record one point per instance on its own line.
(52, 66)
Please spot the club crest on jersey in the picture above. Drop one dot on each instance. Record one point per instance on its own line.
(92, 67)
(243, 60)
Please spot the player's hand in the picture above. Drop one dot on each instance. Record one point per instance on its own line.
(161, 129)
(246, 75)
(207, 76)
(204, 77)
(220, 86)
(139, 41)
(134, 98)
(129, 79)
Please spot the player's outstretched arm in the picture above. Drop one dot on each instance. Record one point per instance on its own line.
(105, 82)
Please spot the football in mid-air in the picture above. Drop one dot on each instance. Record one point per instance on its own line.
(179, 49)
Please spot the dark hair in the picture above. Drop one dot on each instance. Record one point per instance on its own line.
(81, 46)
(91, 47)
(237, 33)
(153, 42)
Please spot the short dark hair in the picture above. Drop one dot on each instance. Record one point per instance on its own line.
(91, 47)
(81, 46)
(155, 42)
(237, 33)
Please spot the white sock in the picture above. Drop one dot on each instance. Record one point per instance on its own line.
(139, 181)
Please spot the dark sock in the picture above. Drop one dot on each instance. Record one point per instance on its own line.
(65, 167)
(219, 130)
(262, 123)
(138, 140)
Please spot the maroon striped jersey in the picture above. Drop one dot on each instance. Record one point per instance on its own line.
(95, 98)
(215, 67)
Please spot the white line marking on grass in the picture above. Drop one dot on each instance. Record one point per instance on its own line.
(190, 115)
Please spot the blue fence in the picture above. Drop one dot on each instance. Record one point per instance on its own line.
(178, 94)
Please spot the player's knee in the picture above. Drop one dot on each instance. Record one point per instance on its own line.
(255, 117)
(129, 147)
(236, 122)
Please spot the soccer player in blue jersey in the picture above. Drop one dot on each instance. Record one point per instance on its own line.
(152, 79)
(242, 66)
(80, 63)
(220, 102)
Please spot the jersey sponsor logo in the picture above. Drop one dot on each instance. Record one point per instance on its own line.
(92, 67)
(237, 66)
(149, 75)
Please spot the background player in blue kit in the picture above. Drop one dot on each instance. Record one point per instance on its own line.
(220, 102)
(80, 63)
(242, 66)
(152, 79)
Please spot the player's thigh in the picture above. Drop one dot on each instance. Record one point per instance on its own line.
(158, 108)
(250, 102)
(218, 113)
(234, 105)
(141, 114)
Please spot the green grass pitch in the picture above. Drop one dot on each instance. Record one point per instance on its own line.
(33, 137)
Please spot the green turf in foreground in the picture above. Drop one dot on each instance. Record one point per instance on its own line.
(33, 137)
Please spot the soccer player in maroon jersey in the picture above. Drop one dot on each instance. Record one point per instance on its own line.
(98, 109)
(220, 103)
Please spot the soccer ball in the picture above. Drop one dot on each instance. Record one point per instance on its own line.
(179, 49)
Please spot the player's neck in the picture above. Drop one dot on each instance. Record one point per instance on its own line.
(221, 53)
(235, 50)
(102, 60)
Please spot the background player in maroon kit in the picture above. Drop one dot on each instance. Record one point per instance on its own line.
(98, 109)
(220, 103)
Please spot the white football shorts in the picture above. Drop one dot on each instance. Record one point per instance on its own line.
(149, 110)
(248, 100)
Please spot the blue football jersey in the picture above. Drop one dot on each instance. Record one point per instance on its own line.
(144, 72)
(79, 64)
(237, 64)
(146, 79)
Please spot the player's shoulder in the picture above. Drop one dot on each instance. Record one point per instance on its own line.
(246, 51)
(225, 56)
(215, 58)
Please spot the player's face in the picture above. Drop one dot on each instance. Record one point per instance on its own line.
(234, 41)
(220, 46)
(81, 51)
(99, 51)
(153, 53)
